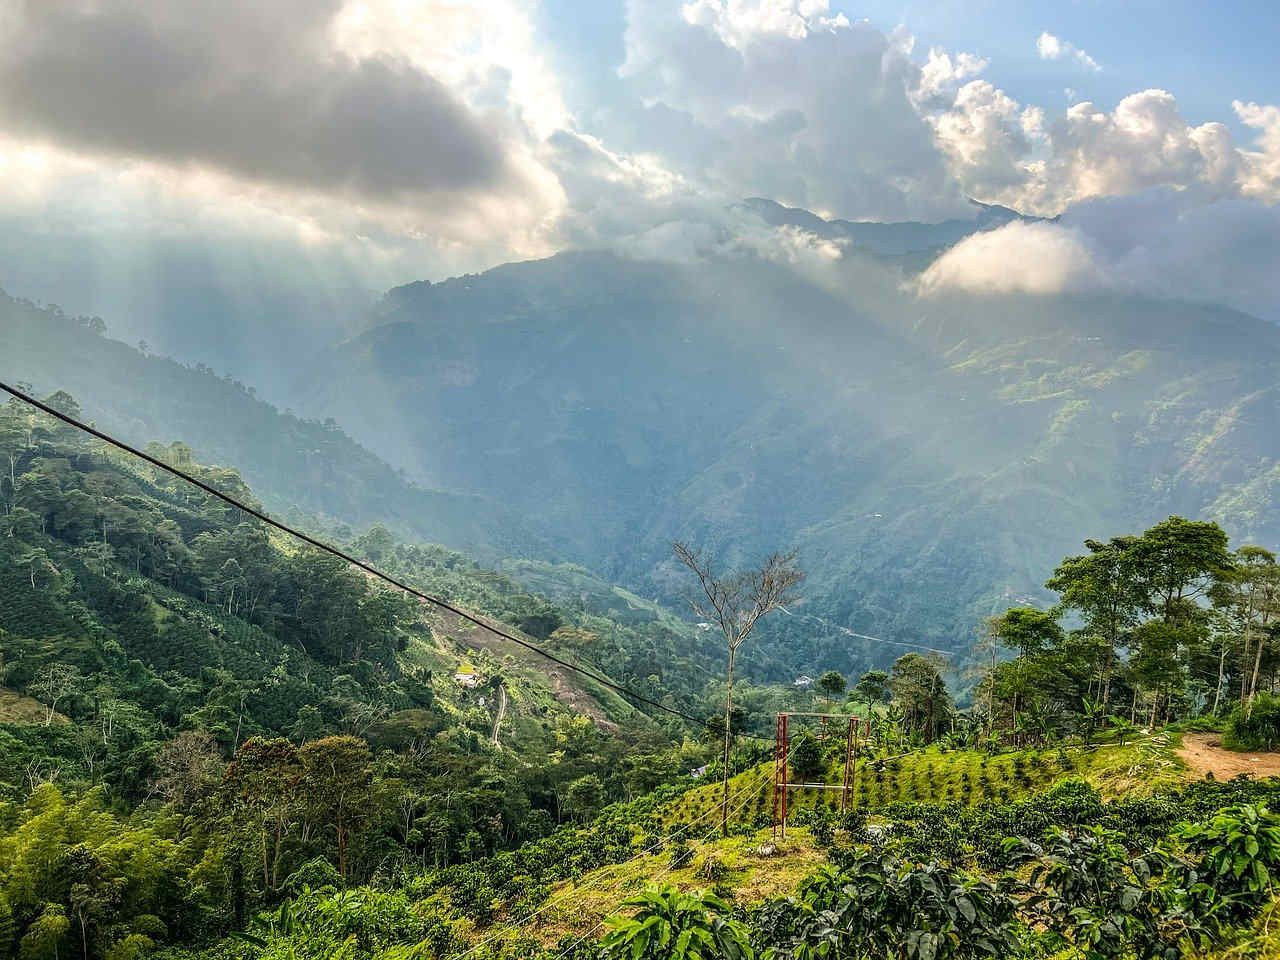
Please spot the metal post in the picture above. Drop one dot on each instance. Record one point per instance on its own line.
(853, 767)
(785, 776)
(849, 752)
(777, 771)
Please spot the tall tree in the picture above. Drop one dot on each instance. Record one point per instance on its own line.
(921, 692)
(735, 603)
(1177, 562)
(1030, 632)
(831, 684)
(1249, 593)
(873, 687)
(53, 684)
(337, 787)
(1103, 587)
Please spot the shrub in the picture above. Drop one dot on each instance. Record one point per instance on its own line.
(670, 925)
(806, 757)
(880, 907)
(1255, 730)
(712, 869)
(679, 855)
(1108, 902)
(316, 874)
(1240, 850)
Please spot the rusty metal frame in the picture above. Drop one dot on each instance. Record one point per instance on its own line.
(782, 785)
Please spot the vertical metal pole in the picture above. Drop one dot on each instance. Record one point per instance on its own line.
(777, 766)
(853, 774)
(844, 779)
(848, 749)
(786, 777)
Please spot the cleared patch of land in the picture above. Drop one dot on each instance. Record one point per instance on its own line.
(15, 708)
(964, 776)
(1203, 753)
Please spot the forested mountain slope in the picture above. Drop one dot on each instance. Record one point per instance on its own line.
(133, 604)
(929, 456)
(296, 465)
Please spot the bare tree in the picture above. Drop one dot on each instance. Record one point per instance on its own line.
(735, 603)
(188, 768)
(53, 684)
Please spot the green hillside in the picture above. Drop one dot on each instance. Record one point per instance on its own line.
(299, 466)
(929, 458)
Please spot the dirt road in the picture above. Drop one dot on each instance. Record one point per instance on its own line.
(502, 712)
(1203, 753)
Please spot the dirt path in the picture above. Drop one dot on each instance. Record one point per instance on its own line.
(1203, 753)
(502, 712)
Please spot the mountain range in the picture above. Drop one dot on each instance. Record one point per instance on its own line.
(928, 456)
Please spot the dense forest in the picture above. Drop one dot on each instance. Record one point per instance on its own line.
(161, 650)
(217, 743)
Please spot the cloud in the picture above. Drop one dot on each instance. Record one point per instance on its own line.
(787, 99)
(1261, 176)
(252, 89)
(1188, 244)
(397, 140)
(1005, 153)
(1037, 258)
(942, 74)
(986, 134)
(1163, 243)
(408, 149)
(1054, 48)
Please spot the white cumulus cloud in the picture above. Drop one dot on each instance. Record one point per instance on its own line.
(1055, 48)
(1005, 153)
(1038, 258)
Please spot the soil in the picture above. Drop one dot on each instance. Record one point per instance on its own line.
(1203, 753)
(563, 683)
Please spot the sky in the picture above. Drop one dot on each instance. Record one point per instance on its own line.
(295, 157)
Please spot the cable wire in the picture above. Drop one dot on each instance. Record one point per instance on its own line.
(328, 548)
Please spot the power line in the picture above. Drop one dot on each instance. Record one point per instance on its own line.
(328, 548)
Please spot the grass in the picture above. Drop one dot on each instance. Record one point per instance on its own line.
(748, 878)
(1261, 942)
(1139, 768)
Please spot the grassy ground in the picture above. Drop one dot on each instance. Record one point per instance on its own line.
(1260, 943)
(746, 877)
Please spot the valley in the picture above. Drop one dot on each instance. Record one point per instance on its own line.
(220, 742)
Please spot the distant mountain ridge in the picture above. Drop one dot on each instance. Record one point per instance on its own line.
(891, 239)
(931, 458)
(296, 465)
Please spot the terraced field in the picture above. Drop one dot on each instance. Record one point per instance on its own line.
(955, 776)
